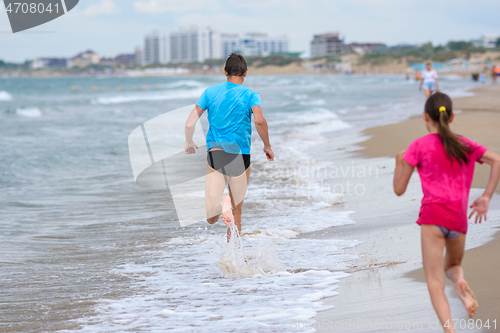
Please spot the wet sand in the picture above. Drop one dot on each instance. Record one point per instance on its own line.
(481, 268)
(387, 298)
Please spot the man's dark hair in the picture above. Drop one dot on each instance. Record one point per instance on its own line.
(235, 65)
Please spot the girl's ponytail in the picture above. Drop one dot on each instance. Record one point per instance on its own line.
(439, 109)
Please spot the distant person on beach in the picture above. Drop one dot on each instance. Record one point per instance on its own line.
(429, 81)
(445, 163)
(483, 78)
(408, 73)
(230, 106)
(418, 76)
(495, 73)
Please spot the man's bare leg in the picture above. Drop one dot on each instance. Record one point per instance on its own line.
(227, 211)
(215, 184)
(237, 190)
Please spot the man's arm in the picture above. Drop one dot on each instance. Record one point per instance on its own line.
(189, 129)
(261, 126)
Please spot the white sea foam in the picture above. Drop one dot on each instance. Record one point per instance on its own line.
(314, 102)
(162, 96)
(453, 77)
(29, 112)
(283, 82)
(310, 125)
(298, 97)
(268, 282)
(186, 83)
(316, 120)
(258, 282)
(460, 93)
(5, 96)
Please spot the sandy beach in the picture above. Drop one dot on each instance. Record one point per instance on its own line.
(379, 299)
(120, 261)
(477, 117)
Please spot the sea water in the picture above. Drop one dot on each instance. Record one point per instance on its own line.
(83, 248)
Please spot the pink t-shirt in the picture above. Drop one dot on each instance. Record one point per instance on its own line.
(445, 183)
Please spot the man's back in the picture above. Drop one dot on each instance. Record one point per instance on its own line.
(229, 107)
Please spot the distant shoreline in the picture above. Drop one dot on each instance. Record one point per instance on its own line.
(349, 64)
(259, 72)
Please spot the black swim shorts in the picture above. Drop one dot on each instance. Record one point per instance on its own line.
(231, 165)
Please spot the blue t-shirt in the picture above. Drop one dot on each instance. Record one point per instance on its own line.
(229, 106)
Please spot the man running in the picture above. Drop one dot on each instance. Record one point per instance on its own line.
(230, 106)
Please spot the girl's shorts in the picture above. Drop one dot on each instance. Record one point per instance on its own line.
(448, 233)
(429, 85)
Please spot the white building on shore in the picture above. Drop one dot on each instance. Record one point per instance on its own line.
(183, 46)
(487, 41)
(139, 56)
(156, 48)
(84, 59)
(253, 44)
(42, 63)
(327, 44)
(194, 45)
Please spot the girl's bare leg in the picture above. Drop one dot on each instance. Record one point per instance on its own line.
(427, 93)
(433, 244)
(453, 269)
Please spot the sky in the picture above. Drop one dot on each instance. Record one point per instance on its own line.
(111, 27)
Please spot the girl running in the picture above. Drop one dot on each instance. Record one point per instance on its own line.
(445, 163)
(429, 80)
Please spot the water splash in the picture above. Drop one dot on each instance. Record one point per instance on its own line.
(237, 262)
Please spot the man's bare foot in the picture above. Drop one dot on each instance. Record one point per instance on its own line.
(227, 211)
(467, 297)
(213, 220)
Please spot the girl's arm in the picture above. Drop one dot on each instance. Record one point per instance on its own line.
(421, 83)
(402, 174)
(480, 206)
(189, 129)
(437, 84)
